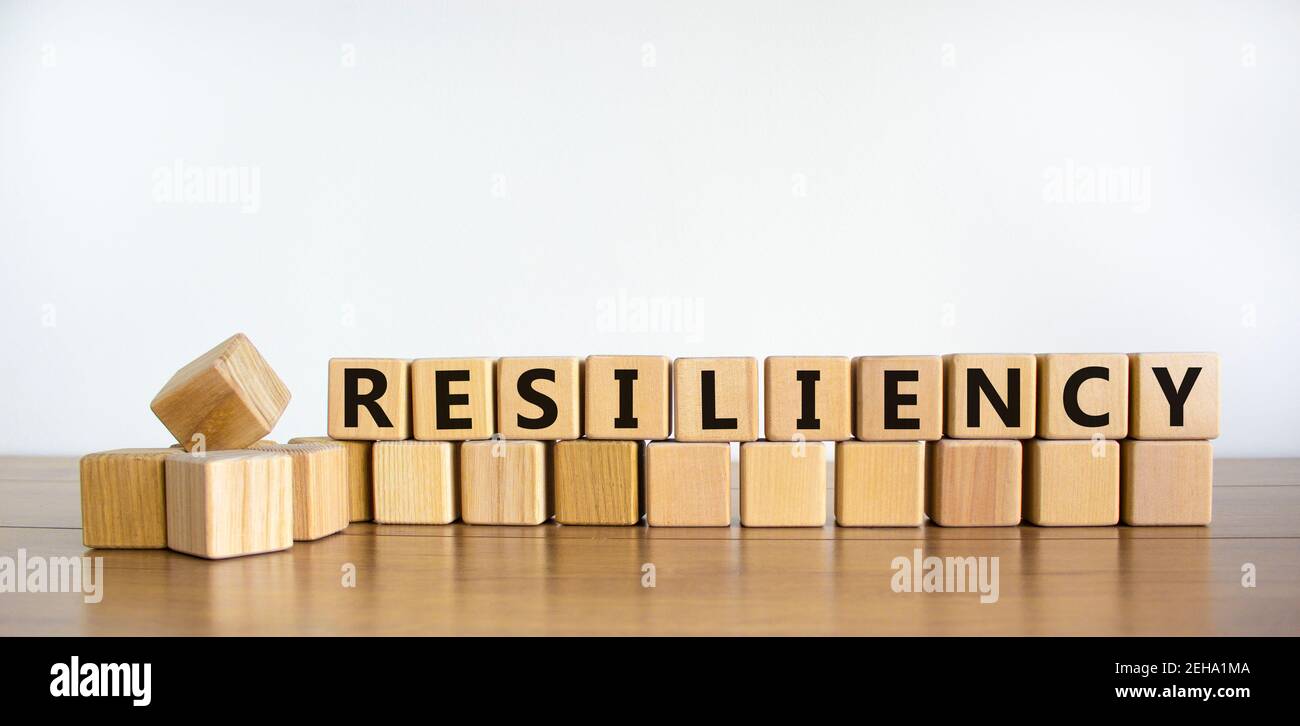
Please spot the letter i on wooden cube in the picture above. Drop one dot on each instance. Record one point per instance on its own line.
(898, 398)
(453, 399)
(1082, 395)
(1174, 396)
(974, 483)
(360, 488)
(880, 483)
(539, 398)
(369, 399)
(417, 482)
(989, 396)
(1071, 483)
(229, 503)
(320, 487)
(1166, 482)
(505, 482)
(688, 484)
(807, 397)
(782, 484)
(716, 399)
(627, 397)
(598, 482)
(123, 499)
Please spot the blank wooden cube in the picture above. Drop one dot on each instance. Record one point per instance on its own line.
(627, 397)
(880, 483)
(808, 397)
(974, 483)
(989, 396)
(360, 487)
(230, 395)
(1081, 395)
(1174, 396)
(505, 482)
(782, 484)
(688, 485)
(716, 399)
(123, 499)
(539, 398)
(229, 503)
(898, 398)
(598, 482)
(453, 399)
(1071, 483)
(369, 399)
(417, 482)
(1166, 482)
(320, 487)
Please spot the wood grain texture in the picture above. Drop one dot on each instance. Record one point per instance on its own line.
(735, 386)
(917, 413)
(1166, 482)
(469, 389)
(320, 487)
(687, 484)
(123, 498)
(1094, 396)
(229, 396)
(1152, 417)
(974, 483)
(360, 485)
(782, 484)
(598, 482)
(1071, 483)
(229, 503)
(394, 403)
(783, 398)
(650, 403)
(981, 421)
(417, 482)
(518, 418)
(505, 482)
(880, 483)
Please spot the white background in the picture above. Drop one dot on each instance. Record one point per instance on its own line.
(477, 178)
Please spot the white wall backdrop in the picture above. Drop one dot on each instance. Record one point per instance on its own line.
(417, 179)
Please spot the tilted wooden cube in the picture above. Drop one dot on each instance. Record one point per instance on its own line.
(539, 398)
(1082, 395)
(320, 487)
(505, 482)
(453, 399)
(880, 483)
(1166, 482)
(716, 399)
(598, 482)
(229, 503)
(123, 499)
(807, 396)
(227, 398)
(1174, 396)
(782, 484)
(688, 484)
(974, 483)
(898, 398)
(369, 399)
(360, 487)
(990, 396)
(417, 482)
(627, 397)
(1071, 483)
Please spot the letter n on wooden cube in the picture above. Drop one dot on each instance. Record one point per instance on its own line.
(688, 484)
(898, 398)
(716, 399)
(1174, 396)
(539, 398)
(505, 482)
(807, 397)
(1081, 395)
(782, 484)
(1071, 483)
(627, 397)
(989, 396)
(453, 399)
(598, 482)
(369, 399)
(417, 482)
(123, 499)
(974, 483)
(1166, 482)
(320, 487)
(880, 483)
(229, 503)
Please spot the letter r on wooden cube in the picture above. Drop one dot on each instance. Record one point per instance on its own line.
(505, 482)
(782, 484)
(123, 499)
(369, 399)
(1166, 482)
(808, 397)
(688, 484)
(717, 399)
(627, 397)
(453, 399)
(898, 398)
(990, 396)
(974, 483)
(1071, 483)
(229, 503)
(539, 398)
(598, 482)
(1082, 395)
(880, 483)
(1174, 396)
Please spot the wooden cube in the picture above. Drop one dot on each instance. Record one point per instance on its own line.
(688, 485)
(360, 486)
(782, 484)
(1166, 482)
(989, 396)
(539, 398)
(505, 482)
(369, 399)
(627, 397)
(1082, 395)
(229, 503)
(808, 397)
(880, 483)
(123, 499)
(453, 399)
(320, 487)
(974, 483)
(598, 482)
(1174, 396)
(1071, 483)
(417, 482)
(898, 398)
(227, 398)
(716, 399)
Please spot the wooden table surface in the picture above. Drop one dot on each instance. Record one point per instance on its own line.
(551, 579)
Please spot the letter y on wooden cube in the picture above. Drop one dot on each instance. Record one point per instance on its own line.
(1081, 395)
(627, 397)
(123, 499)
(717, 399)
(369, 399)
(453, 399)
(782, 484)
(1174, 396)
(539, 398)
(229, 503)
(990, 396)
(808, 397)
(598, 482)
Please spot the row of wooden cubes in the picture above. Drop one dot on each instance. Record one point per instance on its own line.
(1149, 396)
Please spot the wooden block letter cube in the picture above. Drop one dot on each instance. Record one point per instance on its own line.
(717, 399)
(539, 398)
(505, 482)
(1081, 395)
(598, 482)
(782, 484)
(229, 503)
(974, 483)
(880, 483)
(1166, 482)
(369, 399)
(688, 485)
(320, 487)
(123, 499)
(1174, 396)
(453, 399)
(989, 396)
(898, 398)
(1071, 483)
(360, 489)
(627, 397)
(811, 397)
(417, 482)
